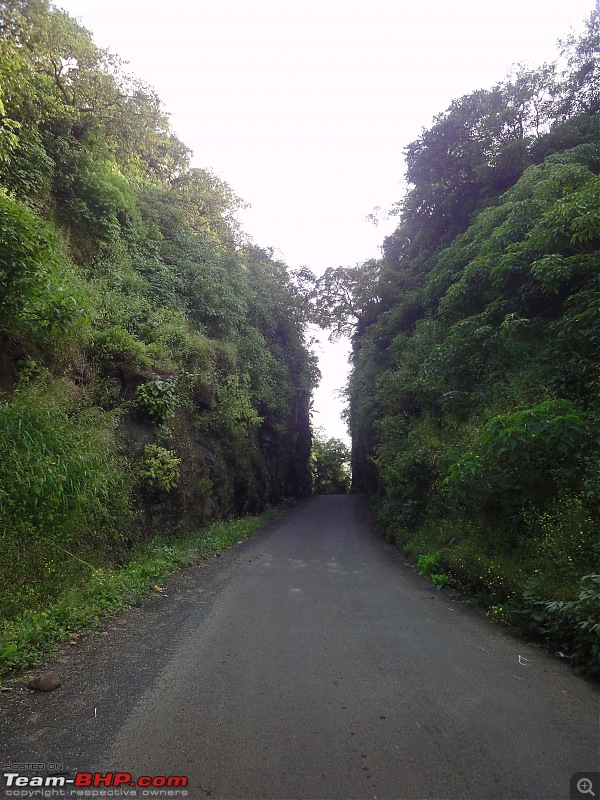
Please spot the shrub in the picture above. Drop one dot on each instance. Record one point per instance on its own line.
(428, 565)
(233, 408)
(34, 300)
(525, 457)
(571, 626)
(562, 542)
(160, 469)
(157, 399)
(117, 344)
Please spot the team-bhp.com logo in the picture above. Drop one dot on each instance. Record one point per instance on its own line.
(87, 780)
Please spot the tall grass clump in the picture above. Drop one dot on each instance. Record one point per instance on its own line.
(64, 491)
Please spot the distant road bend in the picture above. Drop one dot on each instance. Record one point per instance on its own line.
(311, 662)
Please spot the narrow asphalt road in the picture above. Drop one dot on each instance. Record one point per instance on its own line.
(311, 662)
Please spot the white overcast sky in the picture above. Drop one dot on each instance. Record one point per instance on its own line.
(304, 106)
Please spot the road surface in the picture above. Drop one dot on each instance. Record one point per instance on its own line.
(312, 662)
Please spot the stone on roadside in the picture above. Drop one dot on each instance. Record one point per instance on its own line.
(135, 600)
(45, 682)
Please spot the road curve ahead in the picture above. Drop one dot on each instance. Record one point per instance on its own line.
(316, 664)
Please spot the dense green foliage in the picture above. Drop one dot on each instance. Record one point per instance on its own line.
(474, 395)
(330, 465)
(153, 373)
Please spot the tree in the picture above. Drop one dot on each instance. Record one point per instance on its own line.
(330, 465)
(580, 89)
(339, 297)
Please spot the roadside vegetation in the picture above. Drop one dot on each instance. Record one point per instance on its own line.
(329, 464)
(104, 591)
(154, 376)
(474, 394)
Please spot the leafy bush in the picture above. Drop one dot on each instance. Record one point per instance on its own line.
(160, 469)
(572, 626)
(33, 299)
(428, 565)
(524, 458)
(117, 344)
(562, 540)
(233, 407)
(479, 564)
(157, 398)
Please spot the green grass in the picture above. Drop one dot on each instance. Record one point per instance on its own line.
(25, 638)
(545, 587)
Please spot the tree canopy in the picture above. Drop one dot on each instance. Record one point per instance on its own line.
(330, 464)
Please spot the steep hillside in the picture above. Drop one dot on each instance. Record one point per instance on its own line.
(153, 371)
(476, 345)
